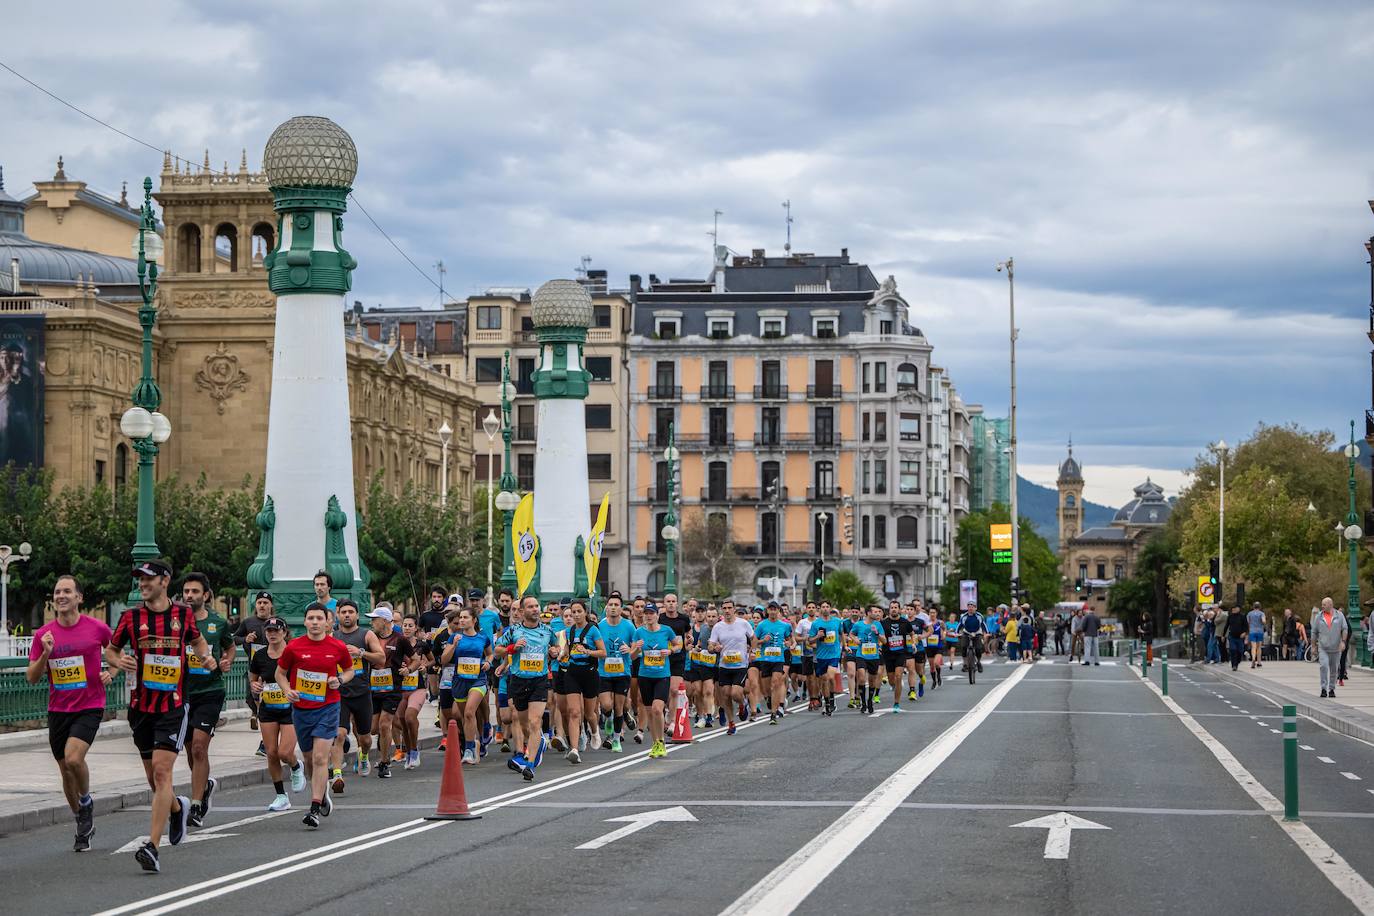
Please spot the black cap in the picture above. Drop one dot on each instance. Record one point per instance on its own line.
(152, 568)
(275, 623)
(564, 601)
(268, 596)
(476, 594)
(317, 606)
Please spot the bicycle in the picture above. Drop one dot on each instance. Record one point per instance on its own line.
(973, 656)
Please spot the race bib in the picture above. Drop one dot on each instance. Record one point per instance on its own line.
(895, 643)
(446, 678)
(932, 640)
(694, 656)
(708, 658)
(194, 664)
(869, 650)
(67, 673)
(273, 697)
(358, 664)
(312, 685)
(654, 658)
(161, 672)
(830, 637)
(472, 667)
(578, 650)
(532, 662)
(732, 658)
(796, 652)
(772, 652)
(382, 680)
(615, 665)
(410, 681)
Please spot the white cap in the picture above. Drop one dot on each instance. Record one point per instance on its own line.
(381, 611)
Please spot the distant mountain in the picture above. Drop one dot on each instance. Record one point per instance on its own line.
(1041, 506)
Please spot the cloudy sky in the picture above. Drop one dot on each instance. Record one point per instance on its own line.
(1183, 184)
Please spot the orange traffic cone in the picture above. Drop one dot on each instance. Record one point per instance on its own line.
(453, 798)
(682, 720)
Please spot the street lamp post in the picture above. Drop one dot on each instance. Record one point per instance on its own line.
(445, 436)
(8, 556)
(506, 500)
(1010, 265)
(1222, 450)
(142, 423)
(670, 530)
(824, 519)
(1352, 539)
(491, 426)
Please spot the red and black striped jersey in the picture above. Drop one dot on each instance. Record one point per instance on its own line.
(159, 640)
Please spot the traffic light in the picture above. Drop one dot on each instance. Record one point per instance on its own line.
(818, 575)
(1078, 585)
(1215, 575)
(1016, 589)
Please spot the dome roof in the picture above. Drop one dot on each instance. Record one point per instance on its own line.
(1070, 471)
(1150, 507)
(310, 152)
(562, 303)
(42, 262)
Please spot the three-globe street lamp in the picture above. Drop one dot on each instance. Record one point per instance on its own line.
(507, 500)
(1353, 533)
(445, 437)
(142, 423)
(670, 531)
(491, 426)
(8, 556)
(1221, 450)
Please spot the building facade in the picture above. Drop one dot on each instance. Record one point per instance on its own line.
(991, 460)
(805, 411)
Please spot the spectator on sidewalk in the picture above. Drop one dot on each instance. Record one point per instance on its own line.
(1061, 627)
(1076, 632)
(1329, 632)
(1289, 634)
(1255, 623)
(1091, 626)
(1223, 618)
(1146, 632)
(1209, 636)
(1236, 629)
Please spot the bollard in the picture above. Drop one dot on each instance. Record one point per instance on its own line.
(1290, 763)
(1164, 674)
(1143, 667)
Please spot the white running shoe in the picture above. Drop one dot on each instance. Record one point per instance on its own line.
(298, 778)
(573, 756)
(280, 803)
(469, 757)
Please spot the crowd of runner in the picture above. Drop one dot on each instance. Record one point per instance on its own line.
(527, 678)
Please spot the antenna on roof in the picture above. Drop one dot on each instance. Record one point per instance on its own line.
(439, 266)
(715, 232)
(586, 262)
(787, 205)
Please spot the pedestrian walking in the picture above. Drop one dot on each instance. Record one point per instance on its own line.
(1236, 630)
(1255, 623)
(1146, 632)
(1209, 636)
(1076, 634)
(1091, 627)
(1330, 632)
(1061, 627)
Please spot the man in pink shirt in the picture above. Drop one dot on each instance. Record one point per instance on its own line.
(69, 651)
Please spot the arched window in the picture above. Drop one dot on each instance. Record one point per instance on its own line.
(1069, 501)
(892, 583)
(226, 248)
(908, 532)
(654, 582)
(188, 249)
(761, 583)
(263, 238)
(906, 377)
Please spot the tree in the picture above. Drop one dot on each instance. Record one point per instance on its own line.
(844, 589)
(1146, 591)
(1039, 565)
(707, 556)
(408, 540)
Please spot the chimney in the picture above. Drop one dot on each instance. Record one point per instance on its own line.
(758, 255)
(844, 255)
(636, 284)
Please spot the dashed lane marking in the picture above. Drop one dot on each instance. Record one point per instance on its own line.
(1326, 760)
(1351, 776)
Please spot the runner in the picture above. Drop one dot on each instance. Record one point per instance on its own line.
(701, 670)
(310, 671)
(355, 694)
(811, 686)
(398, 658)
(729, 639)
(826, 639)
(158, 632)
(753, 684)
(654, 644)
(616, 633)
(581, 685)
(935, 647)
(274, 709)
(250, 637)
(205, 687)
(68, 649)
(413, 693)
(772, 639)
(679, 622)
(896, 637)
(527, 645)
(558, 617)
(469, 655)
(865, 636)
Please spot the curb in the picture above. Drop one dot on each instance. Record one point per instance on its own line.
(112, 728)
(1352, 724)
(132, 794)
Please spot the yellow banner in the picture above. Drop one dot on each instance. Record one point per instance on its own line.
(1000, 536)
(524, 542)
(592, 551)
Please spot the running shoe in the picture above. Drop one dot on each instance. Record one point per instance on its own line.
(146, 856)
(921, 688)
(398, 756)
(338, 783)
(539, 754)
(895, 707)
(82, 842)
(415, 759)
(505, 747)
(720, 715)
(443, 744)
(261, 751)
(606, 743)
(731, 729)
(280, 803)
(773, 719)
(327, 806)
(639, 737)
(573, 756)
(630, 720)
(384, 770)
(486, 733)
(312, 818)
(211, 785)
(298, 778)
(176, 821)
(365, 766)
(528, 773)
(470, 757)
(698, 723)
(194, 818)
(615, 745)
(516, 763)
(558, 744)
(911, 694)
(85, 819)
(658, 750)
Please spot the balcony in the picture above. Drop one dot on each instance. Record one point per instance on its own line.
(826, 495)
(525, 434)
(664, 392)
(688, 442)
(733, 495)
(717, 392)
(659, 494)
(787, 549)
(824, 392)
(770, 392)
(782, 440)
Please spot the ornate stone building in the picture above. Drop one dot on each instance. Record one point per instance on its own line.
(212, 343)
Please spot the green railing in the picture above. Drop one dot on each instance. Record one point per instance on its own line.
(21, 701)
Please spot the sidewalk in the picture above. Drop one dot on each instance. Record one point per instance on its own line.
(31, 789)
(1350, 713)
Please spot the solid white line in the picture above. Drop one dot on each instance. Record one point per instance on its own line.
(784, 888)
(1351, 776)
(1329, 862)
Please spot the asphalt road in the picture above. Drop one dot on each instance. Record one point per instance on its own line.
(777, 824)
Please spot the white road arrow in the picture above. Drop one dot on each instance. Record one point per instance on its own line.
(1061, 826)
(637, 822)
(209, 833)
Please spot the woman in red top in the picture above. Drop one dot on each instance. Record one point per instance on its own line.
(309, 672)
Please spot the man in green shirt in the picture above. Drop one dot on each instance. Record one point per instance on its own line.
(205, 691)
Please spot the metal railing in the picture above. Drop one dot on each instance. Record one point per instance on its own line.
(823, 495)
(738, 495)
(788, 549)
(824, 392)
(664, 392)
(15, 646)
(783, 440)
(690, 442)
(525, 434)
(717, 392)
(770, 392)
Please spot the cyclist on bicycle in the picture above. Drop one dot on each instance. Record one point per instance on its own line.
(971, 630)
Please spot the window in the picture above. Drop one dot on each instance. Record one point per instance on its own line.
(488, 368)
(773, 328)
(598, 416)
(716, 480)
(909, 428)
(865, 435)
(906, 377)
(880, 475)
(481, 463)
(524, 423)
(880, 377)
(527, 324)
(660, 482)
(524, 471)
(825, 479)
(825, 378)
(373, 329)
(99, 472)
(772, 379)
(599, 367)
(1101, 570)
(892, 583)
(769, 472)
(1118, 572)
(599, 467)
(768, 533)
(664, 417)
(825, 426)
(909, 480)
(720, 328)
(865, 528)
(880, 532)
(717, 377)
(601, 316)
(488, 317)
(443, 337)
(824, 328)
(666, 328)
(654, 582)
(524, 375)
(865, 479)
(1068, 501)
(867, 371)
(771, 426)
(907, 532)
(665, 374)
(1083, 570)
(718, 426)
(885, 326)
(880, 426)
(407, 332)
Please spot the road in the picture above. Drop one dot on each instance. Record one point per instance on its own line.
(896, 813)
